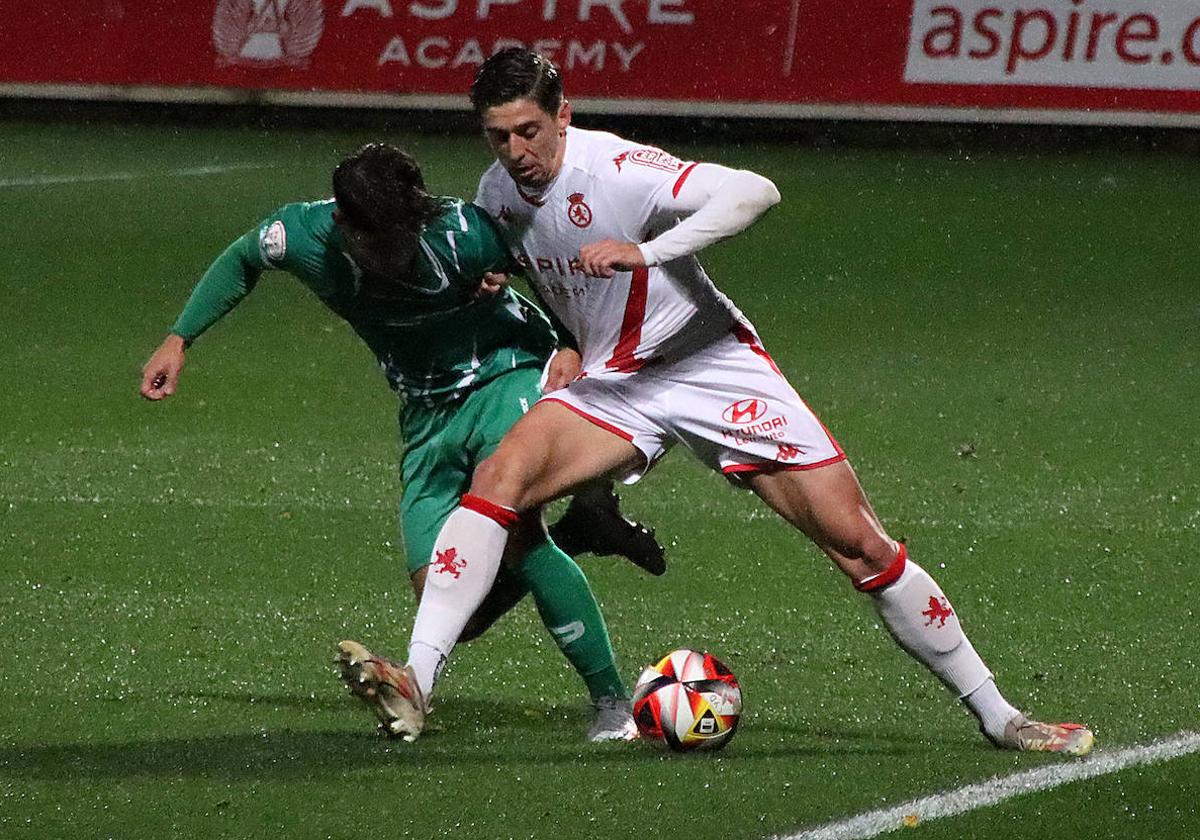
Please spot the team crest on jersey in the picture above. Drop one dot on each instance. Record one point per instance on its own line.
(272, 242)
(505, 215)
(578, 211)
(652, 158)
(267, 33)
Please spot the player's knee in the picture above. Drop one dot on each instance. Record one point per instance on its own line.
(500, 479)
(490, 476)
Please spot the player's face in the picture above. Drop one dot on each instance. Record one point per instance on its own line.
(528, 142)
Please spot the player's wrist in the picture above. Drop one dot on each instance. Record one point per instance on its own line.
(648, 255)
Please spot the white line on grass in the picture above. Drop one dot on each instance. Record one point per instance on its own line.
(190, 172)
(998, 789)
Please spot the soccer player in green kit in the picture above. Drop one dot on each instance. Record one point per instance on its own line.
(406, 270)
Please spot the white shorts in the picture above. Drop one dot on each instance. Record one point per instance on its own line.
(727, 403)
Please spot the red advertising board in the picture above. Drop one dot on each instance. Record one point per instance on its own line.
(1035, 60)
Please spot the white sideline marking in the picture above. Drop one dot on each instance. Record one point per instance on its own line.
(47, 180)
(998, 789)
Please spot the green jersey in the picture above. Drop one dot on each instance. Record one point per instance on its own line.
(432, 338)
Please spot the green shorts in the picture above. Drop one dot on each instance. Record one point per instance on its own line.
(443, 445)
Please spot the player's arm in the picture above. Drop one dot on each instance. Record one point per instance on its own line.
(227, 281)
(714, 202)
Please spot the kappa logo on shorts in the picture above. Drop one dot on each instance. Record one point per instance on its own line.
(787, 452)
(745, 411)
(578, 211)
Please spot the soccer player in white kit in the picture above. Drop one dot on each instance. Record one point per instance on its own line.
(608, 231)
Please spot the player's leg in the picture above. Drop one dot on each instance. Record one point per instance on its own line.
(560, 590)
(569, 610)
(593, 523)
(547, 453)
(564, 601)
(440, 443)
(828, 504)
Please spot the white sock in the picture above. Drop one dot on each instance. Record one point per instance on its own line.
(461, 572)
(427, 663)
(915, 611)
(992, 710)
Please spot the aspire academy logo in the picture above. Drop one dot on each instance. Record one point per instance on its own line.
(744, 411)
(267, 33)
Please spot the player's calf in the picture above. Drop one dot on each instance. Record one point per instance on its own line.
(921, 619)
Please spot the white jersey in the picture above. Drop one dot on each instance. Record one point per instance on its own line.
(611, 188)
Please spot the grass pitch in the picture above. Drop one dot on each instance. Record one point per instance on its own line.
(1005, 343)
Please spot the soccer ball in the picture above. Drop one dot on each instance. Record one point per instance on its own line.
(689, 700)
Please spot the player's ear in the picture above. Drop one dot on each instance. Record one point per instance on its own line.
(564, 116)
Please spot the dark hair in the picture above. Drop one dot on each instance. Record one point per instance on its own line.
(380, 189)
(517, 73)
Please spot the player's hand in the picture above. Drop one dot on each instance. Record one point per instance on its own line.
(606, 258)
(492, 284)
(161, 374)
(563, 368)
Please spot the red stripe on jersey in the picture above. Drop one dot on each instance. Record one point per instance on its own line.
(623, 359)
(502, 516)
(745, 335)
(679, 183)
(603, 424)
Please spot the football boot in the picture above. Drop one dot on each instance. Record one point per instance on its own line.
(1027, 735)
(388, 688)
(593, 524)
(613, 721)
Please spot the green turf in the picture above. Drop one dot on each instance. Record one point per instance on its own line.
(1006, 344)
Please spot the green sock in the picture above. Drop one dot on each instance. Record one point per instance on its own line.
(570, 612)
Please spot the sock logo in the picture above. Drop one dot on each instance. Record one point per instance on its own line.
(568, 632)
(448, 562)
(939, 610)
